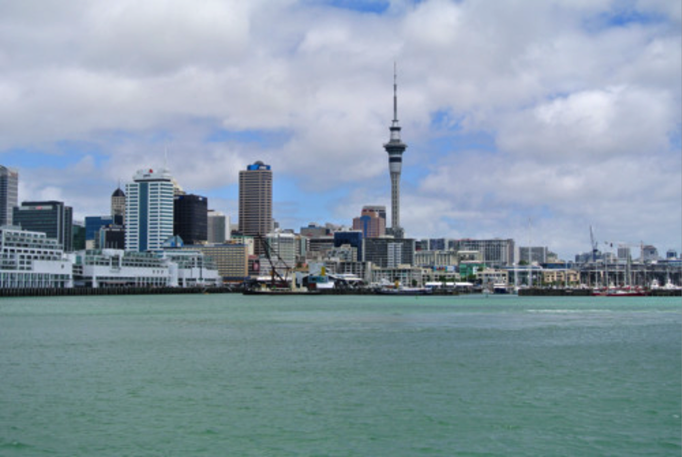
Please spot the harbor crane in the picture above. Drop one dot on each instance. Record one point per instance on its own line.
(595, 250)
(280, 281)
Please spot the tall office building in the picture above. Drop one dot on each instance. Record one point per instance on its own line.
(531, 254)
(149, 210)
(495, 253)
(190, 220)
(379, 209)
(395, 148)
(118, 206)
(389, 252)
(371, 222)
(354, 239)
(218, 227)
(93, 224)
(9, 194)
(52, 218)
(255, 201)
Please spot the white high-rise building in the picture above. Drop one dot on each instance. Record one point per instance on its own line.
(149, 210)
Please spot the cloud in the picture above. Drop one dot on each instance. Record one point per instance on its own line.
(591, 125)
(578, 103)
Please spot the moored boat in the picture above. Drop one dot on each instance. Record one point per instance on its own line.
(404, 291)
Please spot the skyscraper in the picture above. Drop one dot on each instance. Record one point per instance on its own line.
(52, 218)
(118, 206)
(218, 227)
(255, 201)
(371, 222)
(9, 195)
(149, 210)
(190, 220)
(395, 148)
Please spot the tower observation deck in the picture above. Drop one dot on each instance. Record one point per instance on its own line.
(395, 148)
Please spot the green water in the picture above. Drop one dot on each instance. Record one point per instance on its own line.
(218, 375)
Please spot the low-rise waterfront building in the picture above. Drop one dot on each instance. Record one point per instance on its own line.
(231, 259)
(406, 275)
(560, 277)
(191, 268)
(494, 253)
(119, 268)
(489, 277)
(436, 258)
(29, 259)
(360, 269)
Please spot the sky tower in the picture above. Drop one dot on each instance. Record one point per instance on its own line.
(395, 148)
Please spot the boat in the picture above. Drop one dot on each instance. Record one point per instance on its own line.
(404, 291)
(501, 288)
(279, 291)
(626, 291)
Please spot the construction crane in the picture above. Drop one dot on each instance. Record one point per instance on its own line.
(594, 245)
(280, 281)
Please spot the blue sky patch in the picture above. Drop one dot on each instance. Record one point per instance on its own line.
(363, 6)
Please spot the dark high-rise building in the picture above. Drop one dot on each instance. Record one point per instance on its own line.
(50, 217)
(395, 148)
(354, 239)
(78, 243)
(94, 223)
(190, 218)
(389, 252)
(110, 237)
(9, 194)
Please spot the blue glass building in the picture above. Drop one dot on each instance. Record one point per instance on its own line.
(354, 239)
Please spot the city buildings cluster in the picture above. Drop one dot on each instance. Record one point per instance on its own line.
(158, 235)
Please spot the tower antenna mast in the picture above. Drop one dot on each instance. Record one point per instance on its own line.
(395, 92)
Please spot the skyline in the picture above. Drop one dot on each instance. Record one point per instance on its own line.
(562, 113)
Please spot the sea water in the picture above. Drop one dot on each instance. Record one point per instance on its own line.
(233, 375)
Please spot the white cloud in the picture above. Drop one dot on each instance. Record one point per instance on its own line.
(583, 114)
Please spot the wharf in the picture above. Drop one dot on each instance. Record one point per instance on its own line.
(78, 291)
(539, 292)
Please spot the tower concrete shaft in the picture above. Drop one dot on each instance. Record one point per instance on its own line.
(395, 148)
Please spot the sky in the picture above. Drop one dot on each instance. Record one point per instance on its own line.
(533, 120)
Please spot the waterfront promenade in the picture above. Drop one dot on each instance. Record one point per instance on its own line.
(84, 291)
